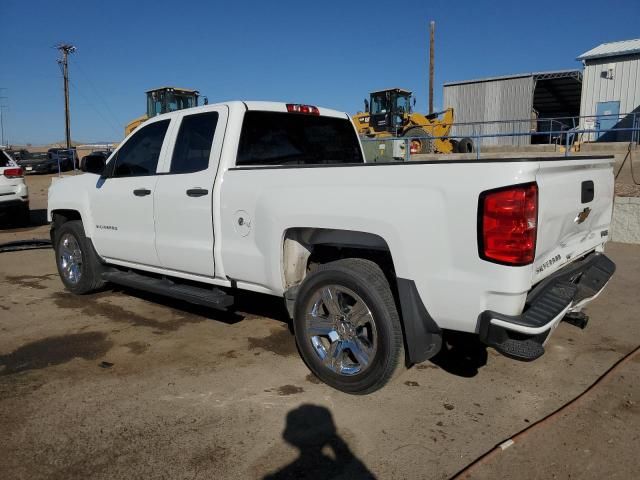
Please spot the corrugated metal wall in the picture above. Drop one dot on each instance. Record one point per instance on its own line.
(500, 99)
(623, 87)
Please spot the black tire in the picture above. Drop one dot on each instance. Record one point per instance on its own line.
(367, 281)
(22, 216)
(90, 268)
(454, 145)
(465, 145)
(423, 145)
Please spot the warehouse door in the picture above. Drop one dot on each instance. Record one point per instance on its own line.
(606, 116)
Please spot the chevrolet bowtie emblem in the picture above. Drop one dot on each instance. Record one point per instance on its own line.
(582, 216)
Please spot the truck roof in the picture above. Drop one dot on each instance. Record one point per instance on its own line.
(253, 105)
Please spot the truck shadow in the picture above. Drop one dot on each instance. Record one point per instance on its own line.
(310, 429)
(462, 354)
(37, 218)
(247, 305)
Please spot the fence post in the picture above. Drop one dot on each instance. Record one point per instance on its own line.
(407, 150)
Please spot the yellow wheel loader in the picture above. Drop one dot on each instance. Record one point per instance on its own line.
(163, 100)
(389, 113)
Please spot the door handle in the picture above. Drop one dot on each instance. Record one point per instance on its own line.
(141, 192)
(197, 192)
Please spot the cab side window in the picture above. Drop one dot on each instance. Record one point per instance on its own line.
(139, 156)
(193, 145)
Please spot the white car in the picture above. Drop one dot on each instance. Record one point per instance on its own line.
(14, 194)
(373, 260)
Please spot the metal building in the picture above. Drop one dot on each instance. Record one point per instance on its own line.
(514, 103)
(611, 88)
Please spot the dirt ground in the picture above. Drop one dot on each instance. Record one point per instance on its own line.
(123, 384)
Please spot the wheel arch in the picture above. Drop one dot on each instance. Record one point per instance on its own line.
(305, 248)
(61, 216)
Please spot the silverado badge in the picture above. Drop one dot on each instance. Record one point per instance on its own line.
(582, 216)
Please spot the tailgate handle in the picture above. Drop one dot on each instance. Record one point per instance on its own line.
(588, 191)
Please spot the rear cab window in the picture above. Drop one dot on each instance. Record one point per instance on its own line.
(278, 138)
(193, 145)
(5, 161)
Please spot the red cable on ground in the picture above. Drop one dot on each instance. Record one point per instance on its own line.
(466, 471)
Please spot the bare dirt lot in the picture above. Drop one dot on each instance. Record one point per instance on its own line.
(122, 384)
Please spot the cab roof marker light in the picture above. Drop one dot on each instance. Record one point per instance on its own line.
(300, 108)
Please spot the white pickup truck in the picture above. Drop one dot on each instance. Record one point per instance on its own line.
(373, 261)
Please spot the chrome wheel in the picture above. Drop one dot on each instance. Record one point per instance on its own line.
(70, 258)
(341, 330)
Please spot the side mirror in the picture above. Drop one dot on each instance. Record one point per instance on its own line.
(93, 165)
(366, 105)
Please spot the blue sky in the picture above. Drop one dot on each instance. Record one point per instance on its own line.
(329, 53)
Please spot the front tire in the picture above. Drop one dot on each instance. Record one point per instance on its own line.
(78, 265)
(347, 326)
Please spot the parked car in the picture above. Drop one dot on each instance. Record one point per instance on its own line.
(39, 162)
(373, 260)
(14, 194)
(17, 155)
(68, 157)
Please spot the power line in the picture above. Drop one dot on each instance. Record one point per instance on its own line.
(98, 94)
(88, 101)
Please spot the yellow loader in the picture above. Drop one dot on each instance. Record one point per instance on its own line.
(163, 100)
(389, 114)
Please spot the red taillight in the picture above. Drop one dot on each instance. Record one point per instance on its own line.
(13, 173)
(298, 108)
(508, 224)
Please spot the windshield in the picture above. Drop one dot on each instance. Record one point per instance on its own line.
(178, 101)
(379, 103)
(401, 102)
(164, 101)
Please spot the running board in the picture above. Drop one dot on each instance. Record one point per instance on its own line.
(212, 297)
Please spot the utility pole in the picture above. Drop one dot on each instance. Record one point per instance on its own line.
(432, 34)
(65, 50)
(2, 107)
(2, 124)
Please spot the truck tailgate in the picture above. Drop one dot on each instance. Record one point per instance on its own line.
(574, 210)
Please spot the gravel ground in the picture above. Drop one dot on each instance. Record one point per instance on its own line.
(122, 384)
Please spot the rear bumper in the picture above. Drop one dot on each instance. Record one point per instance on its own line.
(39, 167)
(523, 336)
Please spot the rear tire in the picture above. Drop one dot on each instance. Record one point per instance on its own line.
(78, 264)
(465, 145)
(419, 145)
(347, 326)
